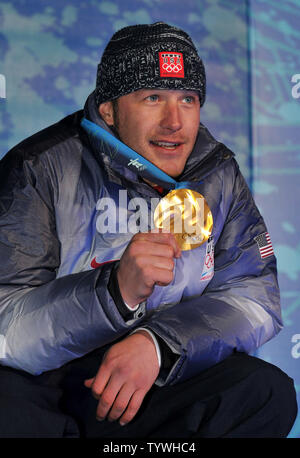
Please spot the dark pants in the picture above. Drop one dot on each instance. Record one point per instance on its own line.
(241, 396)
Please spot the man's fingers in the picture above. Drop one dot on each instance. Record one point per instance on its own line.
(159, 238)
(89, 382)
(162, 276)
(146, 247)
(108, 396)
(133, 407)
(152, 263)
(121, 402)
(98, 383)
(122, 405)
(126, 374)
(170, 239)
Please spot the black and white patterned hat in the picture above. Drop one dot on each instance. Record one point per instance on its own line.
(149, 56)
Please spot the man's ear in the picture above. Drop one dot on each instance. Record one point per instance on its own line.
(107, 113)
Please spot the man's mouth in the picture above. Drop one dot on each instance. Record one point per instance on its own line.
(165, 145)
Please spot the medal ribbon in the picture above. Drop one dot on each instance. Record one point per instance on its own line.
(130, 158)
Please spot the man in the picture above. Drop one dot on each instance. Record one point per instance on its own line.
(157, 333)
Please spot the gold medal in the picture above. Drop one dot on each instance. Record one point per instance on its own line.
(186, 214)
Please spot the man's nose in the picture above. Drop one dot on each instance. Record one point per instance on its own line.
(171, 118)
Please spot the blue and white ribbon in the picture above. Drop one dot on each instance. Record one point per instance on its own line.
(131, 159)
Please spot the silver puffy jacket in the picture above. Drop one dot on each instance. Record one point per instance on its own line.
(54, 301)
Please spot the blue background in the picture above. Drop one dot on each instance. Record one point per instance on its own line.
(251, 48)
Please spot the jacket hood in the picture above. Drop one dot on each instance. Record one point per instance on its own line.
(206, 155)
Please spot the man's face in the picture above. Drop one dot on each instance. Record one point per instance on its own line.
(159, 124)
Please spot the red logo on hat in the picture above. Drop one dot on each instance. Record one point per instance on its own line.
(171, 64)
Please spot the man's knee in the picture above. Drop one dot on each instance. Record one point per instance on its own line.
(283, 398)
(271, 397)
(253, 398)
(30, 409)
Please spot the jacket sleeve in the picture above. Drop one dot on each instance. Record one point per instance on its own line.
(45, 321)
(240, 308)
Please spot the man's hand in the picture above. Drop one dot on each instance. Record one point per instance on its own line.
(127, 372)
(148, 260)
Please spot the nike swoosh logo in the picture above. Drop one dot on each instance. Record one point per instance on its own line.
(95, 264)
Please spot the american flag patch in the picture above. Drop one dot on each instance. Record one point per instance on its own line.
(264, 244)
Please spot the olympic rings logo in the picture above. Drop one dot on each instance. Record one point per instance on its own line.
(172, 67)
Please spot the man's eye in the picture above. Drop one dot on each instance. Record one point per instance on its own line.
(152, 97)
(189, 99)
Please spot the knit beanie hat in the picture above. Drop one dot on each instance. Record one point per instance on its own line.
(149, 56)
